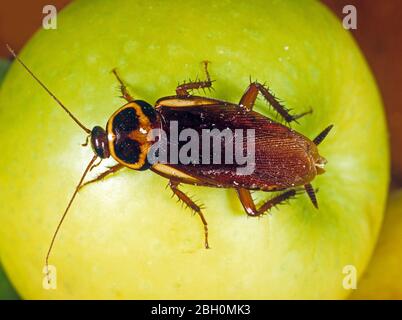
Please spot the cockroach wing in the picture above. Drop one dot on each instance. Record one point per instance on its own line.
(277, 158)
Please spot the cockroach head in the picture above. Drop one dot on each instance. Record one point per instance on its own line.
(99, 142)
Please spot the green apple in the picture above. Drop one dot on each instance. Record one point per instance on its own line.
(382, 279)
(125, 237)
(6, 289)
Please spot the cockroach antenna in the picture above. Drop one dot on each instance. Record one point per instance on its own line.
(48, 91)
(88, 168)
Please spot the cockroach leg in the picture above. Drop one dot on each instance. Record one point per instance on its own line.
(190, 203)
(96, 164)
(125, 94)
(249, 205)
(111, 170)
(86, 141)
(247, 101)
(184, 88)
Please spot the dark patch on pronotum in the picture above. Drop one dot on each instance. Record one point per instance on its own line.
(127, 150)
(147, 109)
(125, 121)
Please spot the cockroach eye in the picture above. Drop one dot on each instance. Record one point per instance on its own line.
(99, 142)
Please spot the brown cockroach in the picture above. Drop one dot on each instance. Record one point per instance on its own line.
(284, 159)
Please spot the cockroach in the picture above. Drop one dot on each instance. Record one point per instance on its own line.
(285, 160)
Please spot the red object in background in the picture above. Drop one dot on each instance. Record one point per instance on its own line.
(19, 19)
(379, 34)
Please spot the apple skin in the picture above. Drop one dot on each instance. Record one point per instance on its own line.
(6, 290)
(382, 278)
(125, 237)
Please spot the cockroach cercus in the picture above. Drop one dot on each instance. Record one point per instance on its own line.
(284, 159)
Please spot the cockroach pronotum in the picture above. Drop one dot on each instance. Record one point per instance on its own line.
(284, 159)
